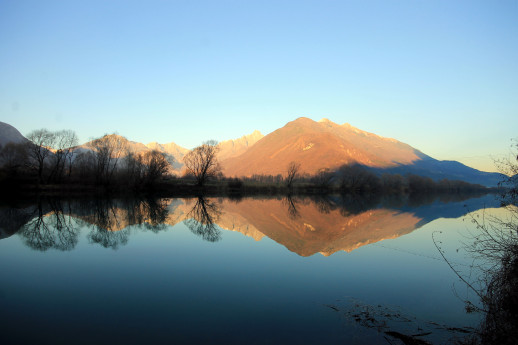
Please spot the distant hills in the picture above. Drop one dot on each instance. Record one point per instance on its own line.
(315, 145)
(175, 153)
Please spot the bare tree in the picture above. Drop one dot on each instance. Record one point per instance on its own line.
(133, 168)
(108, 151)
(292, 173)
(85, 165)
(509, 168)
(71, 140)
(155, 166)
(145, 168)
(493, 246)
(39, 148)
(64, 143)
(202, 161)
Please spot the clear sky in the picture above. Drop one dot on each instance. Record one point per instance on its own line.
(441, 76)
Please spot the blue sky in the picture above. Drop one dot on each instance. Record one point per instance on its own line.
(441, 76)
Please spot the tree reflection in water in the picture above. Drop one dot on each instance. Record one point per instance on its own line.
(55, 224)
(323, 204)
(291, 204)
(202, 218)
(53, 229)
(110, 219)
(107, 222)
(286, 219)
(109, 239)
(352, 204)
(156, 211)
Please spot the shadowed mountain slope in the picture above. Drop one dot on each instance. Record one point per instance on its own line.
(438, 170)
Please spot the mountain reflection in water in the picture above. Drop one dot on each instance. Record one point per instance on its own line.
(303, 225)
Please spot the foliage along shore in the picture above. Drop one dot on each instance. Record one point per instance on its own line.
(259, 185)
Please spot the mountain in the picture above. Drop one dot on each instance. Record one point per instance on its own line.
(227, 148)
(236, 147)
(131, 146)
(171, 150)
(9, 134)
(325, 144)
(317, 145)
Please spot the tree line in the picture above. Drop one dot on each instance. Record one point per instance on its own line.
(54, 158)
(357, 179)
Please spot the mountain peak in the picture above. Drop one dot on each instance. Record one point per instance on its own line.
(303, 119)
(235, 147)
(254, 136)
(256, 133)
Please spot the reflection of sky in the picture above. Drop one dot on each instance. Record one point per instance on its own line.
(173, 283)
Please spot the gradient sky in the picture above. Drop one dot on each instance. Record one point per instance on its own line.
(441, 76)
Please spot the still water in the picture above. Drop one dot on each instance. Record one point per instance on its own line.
(221, 271)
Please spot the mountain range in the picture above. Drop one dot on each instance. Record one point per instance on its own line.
(315, 146)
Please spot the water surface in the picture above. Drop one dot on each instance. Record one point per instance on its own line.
(278, 270)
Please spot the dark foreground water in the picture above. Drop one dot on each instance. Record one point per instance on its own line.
(250, 271)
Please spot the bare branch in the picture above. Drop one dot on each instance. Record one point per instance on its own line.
(292, 173)
(202, 162)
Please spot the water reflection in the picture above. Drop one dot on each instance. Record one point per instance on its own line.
(202, 219)
(304, 225)
(291, 204)
(309, 226)
(109, 219)
(50, 229)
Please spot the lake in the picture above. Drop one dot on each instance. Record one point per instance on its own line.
(281, 270)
